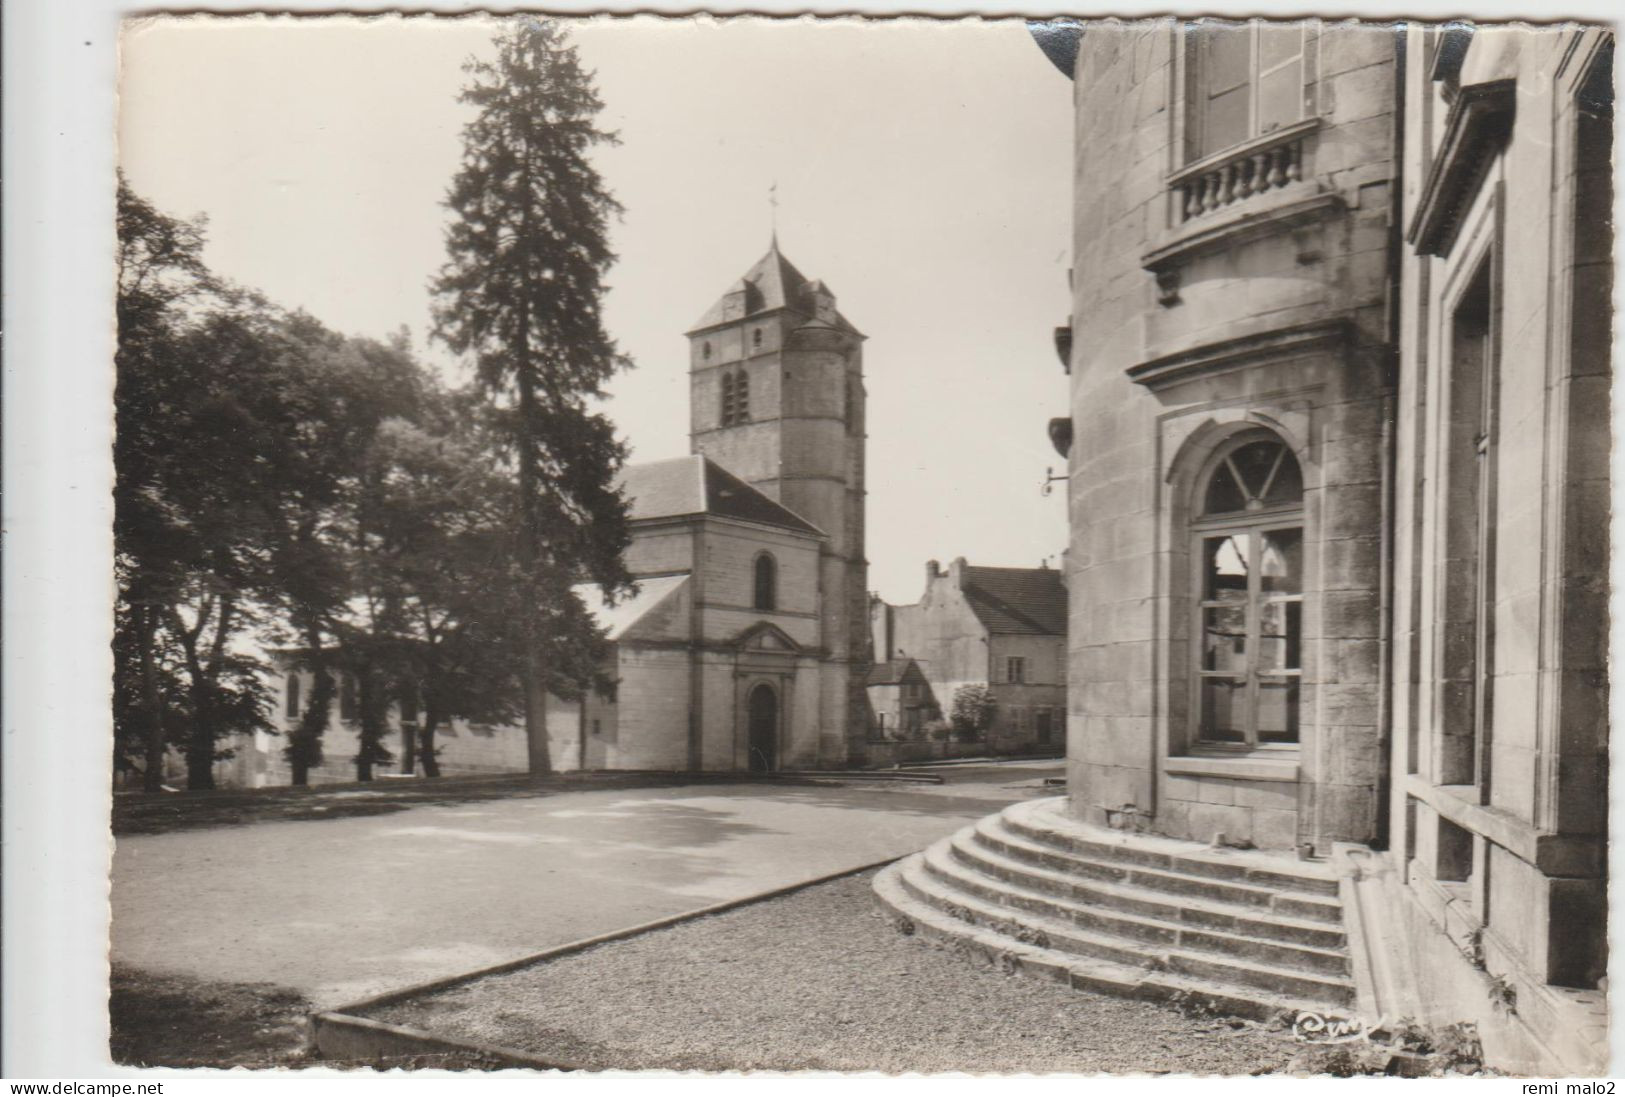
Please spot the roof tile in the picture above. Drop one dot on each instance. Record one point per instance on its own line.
(1018, 601)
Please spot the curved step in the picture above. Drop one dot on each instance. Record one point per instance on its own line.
(1100, 974)
(1041, 822)
(995, 850)
(1226, 958)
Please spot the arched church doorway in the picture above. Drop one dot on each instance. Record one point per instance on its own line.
(763, 709)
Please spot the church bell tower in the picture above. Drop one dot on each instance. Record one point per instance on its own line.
(776, 397)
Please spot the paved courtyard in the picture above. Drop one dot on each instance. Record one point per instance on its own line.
(340, 909)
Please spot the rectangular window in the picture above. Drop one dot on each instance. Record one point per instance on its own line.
(1466, 640)
(1015, 669)
(1245, 80)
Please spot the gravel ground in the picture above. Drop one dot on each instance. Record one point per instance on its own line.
(819, 980)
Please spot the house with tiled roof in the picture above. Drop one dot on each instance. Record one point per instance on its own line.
(901, 700)
(996, 626)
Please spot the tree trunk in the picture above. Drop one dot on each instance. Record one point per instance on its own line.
(305, 741)
(541, 760)
(151, 700)
(426, 751)
(370, 723)
(200, 735)
(374, 703)
(541, 763)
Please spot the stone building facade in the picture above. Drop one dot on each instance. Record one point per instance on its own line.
(720, 657)
(776, 397)
(1224, 465)
(1497, 770)
(1338, 478)
(1004, 628)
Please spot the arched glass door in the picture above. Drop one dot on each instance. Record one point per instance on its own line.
(1249, 596)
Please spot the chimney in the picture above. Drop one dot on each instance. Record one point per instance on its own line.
(957, 570)
(933, 570)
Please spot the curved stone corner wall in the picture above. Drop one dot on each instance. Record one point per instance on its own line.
(1267, 313)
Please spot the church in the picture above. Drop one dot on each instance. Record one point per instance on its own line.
(745, 646)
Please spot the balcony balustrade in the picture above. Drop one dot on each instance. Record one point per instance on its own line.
(1219, 182)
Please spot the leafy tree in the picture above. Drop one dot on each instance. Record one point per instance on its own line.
(974, 707)
(185, 517)
(438, 546)
(520, 295)
(336, 392)
(439, 560)
(160, 270)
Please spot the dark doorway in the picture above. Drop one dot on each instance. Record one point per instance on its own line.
(764, 729)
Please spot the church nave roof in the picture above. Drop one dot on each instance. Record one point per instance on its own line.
(698, 485)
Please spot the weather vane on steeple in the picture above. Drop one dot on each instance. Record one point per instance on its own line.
(773, 206)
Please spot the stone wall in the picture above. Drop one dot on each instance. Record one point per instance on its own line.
(652, 709)
(1499, 747)
(464, 748)
(728, 567)
(663, 549)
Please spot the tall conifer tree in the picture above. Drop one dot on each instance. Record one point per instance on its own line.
(521, 296)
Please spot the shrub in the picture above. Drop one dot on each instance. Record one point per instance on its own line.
(973, 710)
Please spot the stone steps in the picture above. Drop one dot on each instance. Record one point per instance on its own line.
(1132, 915)
(1162, 922)
(1155, 857)
(1129, 891)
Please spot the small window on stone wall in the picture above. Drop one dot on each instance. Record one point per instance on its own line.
(767, 583)
(1249, 596)
(293, 695)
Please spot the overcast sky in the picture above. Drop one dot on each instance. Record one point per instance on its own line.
(922, 171)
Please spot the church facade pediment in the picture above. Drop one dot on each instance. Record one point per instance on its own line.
(768, 638)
